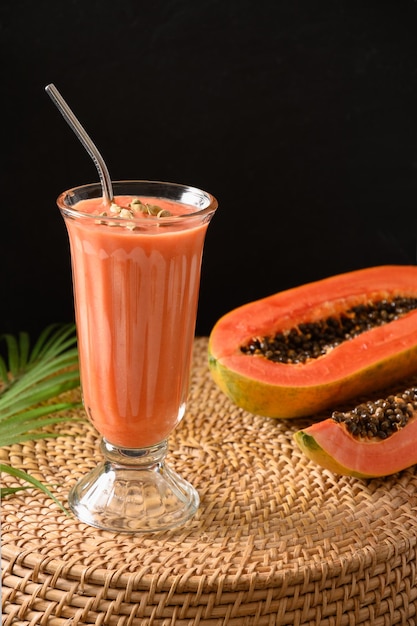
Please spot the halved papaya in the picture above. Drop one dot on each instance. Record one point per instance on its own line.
(366, 362)
(331, 446)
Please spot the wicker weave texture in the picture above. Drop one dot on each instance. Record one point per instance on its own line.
(277, 541)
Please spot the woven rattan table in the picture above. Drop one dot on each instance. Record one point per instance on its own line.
(276, 541)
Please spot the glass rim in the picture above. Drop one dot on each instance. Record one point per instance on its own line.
(199, 212)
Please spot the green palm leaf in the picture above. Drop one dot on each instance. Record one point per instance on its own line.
(30, 382)
(6, 491)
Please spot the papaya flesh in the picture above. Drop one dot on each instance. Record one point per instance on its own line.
(370, 361)
(331, 446)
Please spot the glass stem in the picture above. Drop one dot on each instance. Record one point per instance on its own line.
(137, 457)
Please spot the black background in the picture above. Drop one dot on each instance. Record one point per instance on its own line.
(299, 116)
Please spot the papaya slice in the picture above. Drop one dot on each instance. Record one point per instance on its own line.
(330, 444)
(374, 358)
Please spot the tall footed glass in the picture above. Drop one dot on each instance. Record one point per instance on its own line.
(136, 277)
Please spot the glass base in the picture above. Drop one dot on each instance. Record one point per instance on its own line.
(133, 490)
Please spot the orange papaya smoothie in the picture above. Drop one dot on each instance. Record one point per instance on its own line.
(136, 292)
